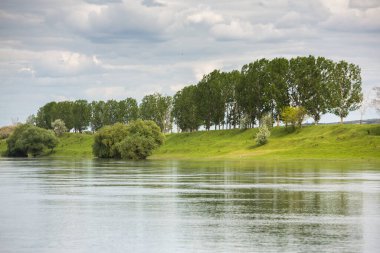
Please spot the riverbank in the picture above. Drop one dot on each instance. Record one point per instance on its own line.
(311, 142)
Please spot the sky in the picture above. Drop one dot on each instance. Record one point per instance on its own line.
(114, 49)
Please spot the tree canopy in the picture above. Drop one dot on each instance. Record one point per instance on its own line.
(136, 140)
(30, 140)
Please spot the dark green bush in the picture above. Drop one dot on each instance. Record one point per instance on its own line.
(134, 141)
(30, 140)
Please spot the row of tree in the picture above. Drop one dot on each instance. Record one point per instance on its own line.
(241, 98)
(81, 115)
(228, 99)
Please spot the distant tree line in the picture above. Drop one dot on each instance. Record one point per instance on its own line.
(228, 99)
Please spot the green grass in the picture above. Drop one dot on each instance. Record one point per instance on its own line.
(333, 142)
(3, 147)
(74, 145)
(311, 142)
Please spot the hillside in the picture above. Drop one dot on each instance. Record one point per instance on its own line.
(310, 142)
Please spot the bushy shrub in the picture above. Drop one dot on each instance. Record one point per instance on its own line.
(30, 140)
(134, 141)
(262, 135)
(267, 120)
(293, 115)
(59, 127)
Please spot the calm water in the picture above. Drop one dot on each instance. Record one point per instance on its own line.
(114, 206)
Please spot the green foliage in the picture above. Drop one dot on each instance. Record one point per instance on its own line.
(30, 140)
(45, 115)
(135, 141)
(81, 113)
(253, 93)
(185, 109)
(210, 100)
(293, 116)
(262, 135)
(157, 108)
(59, 127)
(346, 93)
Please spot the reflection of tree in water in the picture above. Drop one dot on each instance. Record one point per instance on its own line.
(281, 207)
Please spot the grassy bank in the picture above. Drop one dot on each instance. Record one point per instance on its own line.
(311, 142)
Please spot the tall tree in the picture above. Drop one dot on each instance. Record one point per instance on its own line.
(81, 115)
(185, 110)
(210, 100)
(128, 110)
(252, 93)
(157, 108)
(64, 112)
(279, 86)
(97, 115)
(232, 112)
(347, 92)
(45, 115)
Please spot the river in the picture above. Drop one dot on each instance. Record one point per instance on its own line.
(64, 205)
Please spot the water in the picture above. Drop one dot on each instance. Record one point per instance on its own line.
(115, 206)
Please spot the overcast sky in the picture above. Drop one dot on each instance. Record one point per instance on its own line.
(99, 49)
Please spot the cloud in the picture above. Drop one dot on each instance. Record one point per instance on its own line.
(64, 63)
(205, 16)
(364, 4)
(106, 93)
(100, 49)
(203, 68)
(152, 3)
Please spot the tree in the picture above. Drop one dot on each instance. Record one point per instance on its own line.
(143, 137)
(262, 135)
(64, 111)
(81, 112)
(59, 127)
(279, 86)
(30, 140)
(346, 92)
(185, 110)
(210, 100)
(311, 82)
(135, 141)
(294, 116)
(157, 108)
(232, 111)
(31, 120)
(45, 115)
(97, 115)
(107, 139)
(128, 110)
(252, 94)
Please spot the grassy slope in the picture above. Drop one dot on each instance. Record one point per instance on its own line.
(74, 145)
(312, 142)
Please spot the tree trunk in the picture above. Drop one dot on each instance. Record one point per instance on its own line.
(341, 120)
(278, 120)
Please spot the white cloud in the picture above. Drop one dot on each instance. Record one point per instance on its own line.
(203, 68)
(106, 93)
(205, 16)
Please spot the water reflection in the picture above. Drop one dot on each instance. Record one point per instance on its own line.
(100, 205)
